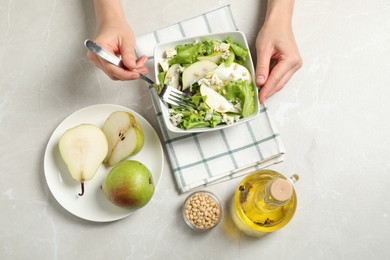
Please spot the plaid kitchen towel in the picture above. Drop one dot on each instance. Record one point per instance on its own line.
(198, 160)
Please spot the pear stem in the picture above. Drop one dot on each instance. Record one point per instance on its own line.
(82, 189)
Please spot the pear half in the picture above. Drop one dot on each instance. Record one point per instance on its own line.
(124, 135)
(83, 149)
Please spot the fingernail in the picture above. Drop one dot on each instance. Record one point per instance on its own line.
(260, 79)
(144, 59)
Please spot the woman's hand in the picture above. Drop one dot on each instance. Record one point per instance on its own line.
(115, 35)
(278, 57)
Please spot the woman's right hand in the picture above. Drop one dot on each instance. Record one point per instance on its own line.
(115, 35)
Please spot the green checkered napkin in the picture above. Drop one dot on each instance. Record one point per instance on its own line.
(198, 160)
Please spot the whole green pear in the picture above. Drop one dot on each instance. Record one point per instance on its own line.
(129, 185)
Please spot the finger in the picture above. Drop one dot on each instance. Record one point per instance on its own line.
(99, 64)
(269, 92)
(113, 78)
(269, 89)
(143, 70)
(263, 95)
(128, 54)
(277, 73)
(262, 66)
(92, 57)
(141, 61)
(278, 83)
(103, 67)
(117, 72)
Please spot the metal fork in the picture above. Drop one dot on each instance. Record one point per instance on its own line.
(166, 93)
(170, 94)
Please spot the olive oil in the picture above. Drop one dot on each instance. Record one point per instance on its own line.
(264, 201)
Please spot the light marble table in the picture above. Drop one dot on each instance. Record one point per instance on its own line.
(333, 118)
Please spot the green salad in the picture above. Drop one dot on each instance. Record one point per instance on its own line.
(212, 72)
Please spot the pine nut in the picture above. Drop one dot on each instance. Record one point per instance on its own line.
(202, 210)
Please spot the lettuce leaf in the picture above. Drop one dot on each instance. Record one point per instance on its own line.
(230, 59)
(195, 119)
(244, 92)
(239, 91)
(161, 76)
(186, 54)
(240, 52)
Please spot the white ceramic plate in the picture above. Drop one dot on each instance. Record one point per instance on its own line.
(93, 205)
(159, 51)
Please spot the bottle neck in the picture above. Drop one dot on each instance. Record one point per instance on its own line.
(278, 192)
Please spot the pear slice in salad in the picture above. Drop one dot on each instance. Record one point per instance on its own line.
(172, 78)
(233, 72)
(216, 101)
(196, 71)
(215, 57)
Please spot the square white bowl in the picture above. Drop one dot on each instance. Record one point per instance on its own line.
(159, 52)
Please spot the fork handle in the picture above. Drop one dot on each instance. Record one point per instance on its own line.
(145, 78)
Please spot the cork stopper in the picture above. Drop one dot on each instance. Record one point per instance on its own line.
(281, 190)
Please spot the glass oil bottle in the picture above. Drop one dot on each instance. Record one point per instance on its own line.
(264, 202)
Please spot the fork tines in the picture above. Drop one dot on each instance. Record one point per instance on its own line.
(177, 98)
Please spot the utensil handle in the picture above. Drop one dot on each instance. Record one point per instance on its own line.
(103, 53)
(145, 78)
(108, 56)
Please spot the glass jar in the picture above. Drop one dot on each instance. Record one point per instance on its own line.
(264, 202)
